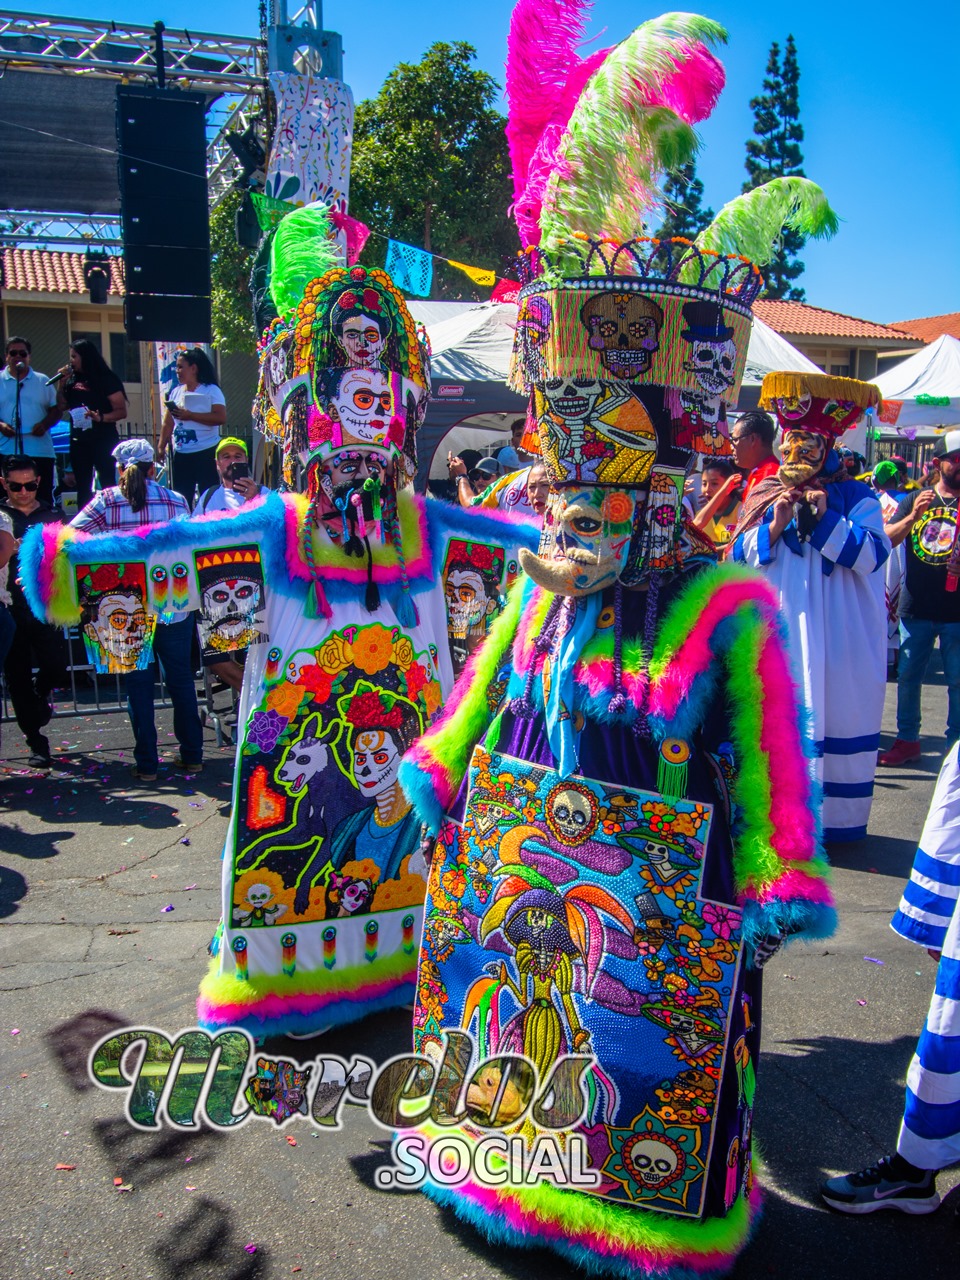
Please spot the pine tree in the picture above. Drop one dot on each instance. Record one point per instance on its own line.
(683, 200)
(775, 153)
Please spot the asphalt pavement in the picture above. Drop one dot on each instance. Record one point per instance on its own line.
(90, 866)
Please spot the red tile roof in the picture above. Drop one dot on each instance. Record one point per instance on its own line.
(43, 271)
(790, 318)
(929, 328)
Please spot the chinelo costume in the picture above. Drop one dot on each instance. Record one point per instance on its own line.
(829, 577)
(339, 595)
(618, 783)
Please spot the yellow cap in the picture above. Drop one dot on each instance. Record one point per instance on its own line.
(231, 442)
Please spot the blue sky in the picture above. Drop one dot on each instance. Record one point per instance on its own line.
(878, 104)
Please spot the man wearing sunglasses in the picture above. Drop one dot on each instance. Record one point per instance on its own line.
(35, 643)
(28, 409)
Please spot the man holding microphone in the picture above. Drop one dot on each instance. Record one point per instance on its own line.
(28, 409)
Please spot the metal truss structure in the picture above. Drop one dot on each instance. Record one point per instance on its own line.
(200, 61)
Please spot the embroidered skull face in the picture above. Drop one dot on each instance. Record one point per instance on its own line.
(468, 603)
(376, 762)
(230, 606)
(120, 628)
(364, 405)
(586, 537)
(713, 364)
(355, 896)
(802, 455)
(258, 896)
(362, 340)
(625, 329)
(654, 1161)
(533, 330)
(573, 399)
(539, 922)
(572, 815)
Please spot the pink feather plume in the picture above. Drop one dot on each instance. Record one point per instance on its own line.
(541, 45)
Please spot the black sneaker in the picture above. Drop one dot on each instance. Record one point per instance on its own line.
(38, 761)
(882, 1187)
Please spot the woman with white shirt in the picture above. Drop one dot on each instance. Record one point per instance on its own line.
(195, 412)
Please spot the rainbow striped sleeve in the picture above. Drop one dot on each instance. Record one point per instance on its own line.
(780, 872)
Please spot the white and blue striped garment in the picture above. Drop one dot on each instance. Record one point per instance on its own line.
(831, 592)
(929, 914)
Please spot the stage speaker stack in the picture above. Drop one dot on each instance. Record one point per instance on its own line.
(165, 217)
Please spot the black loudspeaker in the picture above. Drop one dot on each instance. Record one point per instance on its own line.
(164, 213)
(156, 318)
(153, 270)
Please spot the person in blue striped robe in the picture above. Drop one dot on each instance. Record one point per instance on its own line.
(819, 539)
(929, 915)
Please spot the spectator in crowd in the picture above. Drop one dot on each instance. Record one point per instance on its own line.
(34, 643)
(752, 438)
(906, 484)
(28, 409)
(7, 548)
(886, 481)
(93, 396)
(925, 523)
(236, 485)
(720, 480)
(471, 476)
(928, 916)
(523, 492)
(236, 488)
(195, 412)
(137, 501)
(511, 456)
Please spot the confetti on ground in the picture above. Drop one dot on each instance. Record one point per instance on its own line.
(250, 1248)
(188, 887)
(167, 908)
(14, 1031)
(874, 960)
(190, 1188)
(185, 840)
(861, 1002)
(292, 1141)
(124, 1186)
(67, 1168)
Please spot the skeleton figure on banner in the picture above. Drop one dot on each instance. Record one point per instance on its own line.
(625, 825)
(339, 597)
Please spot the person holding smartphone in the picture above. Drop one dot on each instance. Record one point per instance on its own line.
(236, 485)
(195, 412)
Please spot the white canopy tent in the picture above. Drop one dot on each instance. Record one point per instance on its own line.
(471, 405)
(922, 393)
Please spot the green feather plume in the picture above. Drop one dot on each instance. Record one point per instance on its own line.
(752, 224)
(621, 137)
(301, 251)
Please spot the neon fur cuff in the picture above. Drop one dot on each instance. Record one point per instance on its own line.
(275, 1003)
(603, 1238)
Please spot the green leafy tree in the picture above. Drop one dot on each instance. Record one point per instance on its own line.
(431, 169)
(683, 198)
(774, 152)
(230, 276)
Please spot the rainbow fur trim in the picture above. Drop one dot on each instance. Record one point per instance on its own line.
(477, 524)
(46, 573)
(602, 1237)
(50, 552)
(726, 617)
(275, 1003)
(434, 767)
(338, 567)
